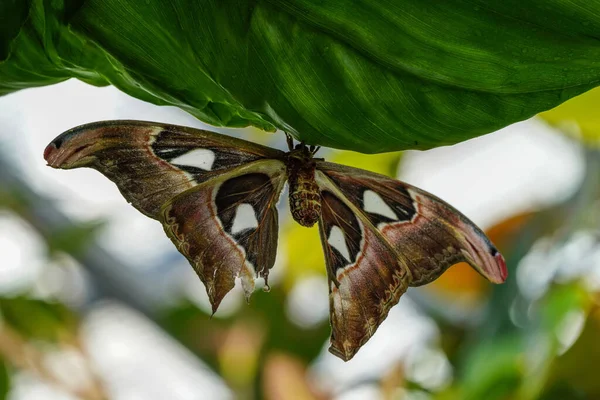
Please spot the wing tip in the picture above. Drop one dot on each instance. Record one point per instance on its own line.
(54, 155)
(495, 268)
(49, 152)
(346, 354)
(503, 271)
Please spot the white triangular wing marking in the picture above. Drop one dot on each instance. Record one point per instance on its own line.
(373, 203)
(244, 218)
(337, 241)
(199, 158)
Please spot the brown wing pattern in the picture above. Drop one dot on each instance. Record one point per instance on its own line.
(227, 226)
(430, 234)
(151, 162)
(403, 229)
(214, 194)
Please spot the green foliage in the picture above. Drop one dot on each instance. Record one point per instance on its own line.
(37, 319)
(74, 239)
(578, 117)
(493, 371)
(267, 310)
(370, 76)
(562, 391)
(404, 74)
(4, 380)
(12, 17)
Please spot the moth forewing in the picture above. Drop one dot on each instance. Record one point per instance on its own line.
(429, 234)
(227, 227)
(473, 245)
(152, 162)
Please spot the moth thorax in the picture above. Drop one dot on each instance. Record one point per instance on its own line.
(305, 199)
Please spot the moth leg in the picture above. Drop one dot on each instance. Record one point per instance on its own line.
(290, 141)
(314, 149)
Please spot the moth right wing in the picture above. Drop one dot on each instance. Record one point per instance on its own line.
(227, 226)
(380, 236)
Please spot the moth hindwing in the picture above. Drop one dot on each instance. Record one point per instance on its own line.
(227, 226)
(216, 197)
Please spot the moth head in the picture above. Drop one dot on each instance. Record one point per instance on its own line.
(302, 155)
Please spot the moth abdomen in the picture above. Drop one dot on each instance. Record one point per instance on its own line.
(305, 199)
(305, 195)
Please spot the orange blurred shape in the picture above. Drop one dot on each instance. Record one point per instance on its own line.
(284, 378)
(463, 280)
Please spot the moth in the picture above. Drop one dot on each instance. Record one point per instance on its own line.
(216, 197)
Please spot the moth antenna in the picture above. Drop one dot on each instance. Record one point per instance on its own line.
(315, 149)
(290, 141)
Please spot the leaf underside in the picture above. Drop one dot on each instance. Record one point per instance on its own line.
(371, 76)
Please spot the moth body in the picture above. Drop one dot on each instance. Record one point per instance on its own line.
(305, 197)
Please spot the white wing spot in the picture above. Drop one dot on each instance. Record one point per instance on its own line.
(373, 203)
(244, 218)
(337, 241)
(199, 158)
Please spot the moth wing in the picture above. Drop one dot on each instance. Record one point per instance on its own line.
(152, 162)
(381, 235)
(227, 226)
(427, 233)
(365, 276)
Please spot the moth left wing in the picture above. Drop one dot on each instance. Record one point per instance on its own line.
(215, 195)
(381, 235)
(227, 226)
(152, 162)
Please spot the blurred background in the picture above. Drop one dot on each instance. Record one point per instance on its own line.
(96, 303)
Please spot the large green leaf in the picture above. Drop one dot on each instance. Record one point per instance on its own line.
(368, 75)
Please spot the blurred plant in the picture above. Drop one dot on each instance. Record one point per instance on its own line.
(36, 331)
(578, 118)
(32, 332)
